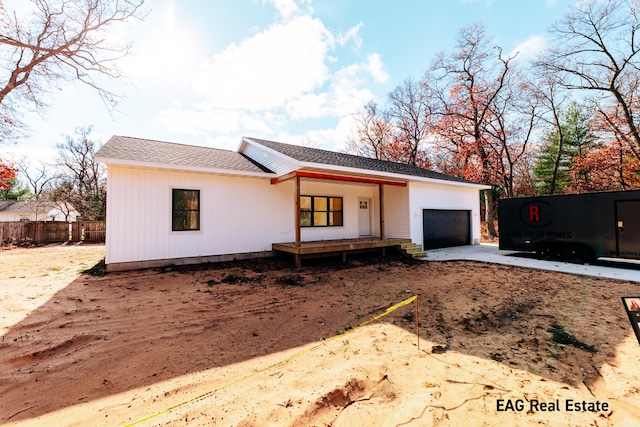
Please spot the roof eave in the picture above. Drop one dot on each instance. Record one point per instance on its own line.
(277, 153)
(243, 142)
(181, 168)
(396, 176)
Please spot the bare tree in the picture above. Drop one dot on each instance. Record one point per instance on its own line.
(411, 115)
(39, 177)
(373, 133)
(512, 128)
(395, 132)
(596, 50)
(82, 178)
(63, 196)
(58, 40)
(467, 83)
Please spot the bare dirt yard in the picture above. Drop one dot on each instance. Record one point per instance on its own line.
(262, 344)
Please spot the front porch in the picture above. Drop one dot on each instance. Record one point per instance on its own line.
(320, 248)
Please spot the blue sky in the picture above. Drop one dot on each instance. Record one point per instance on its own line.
(207, 72)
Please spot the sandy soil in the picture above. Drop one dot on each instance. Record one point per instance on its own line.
(261, 344)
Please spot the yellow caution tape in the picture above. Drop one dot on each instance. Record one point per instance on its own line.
(300, 353)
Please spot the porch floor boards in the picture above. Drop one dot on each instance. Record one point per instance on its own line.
(323, 246)
(327, 247)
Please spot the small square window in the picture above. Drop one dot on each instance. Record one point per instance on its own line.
(335, 218)
(319, 219)
(335, 203)
(319, 203)
(305, 219)
(305, 203)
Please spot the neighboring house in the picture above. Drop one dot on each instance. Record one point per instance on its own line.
(178, 204)
(36, 210)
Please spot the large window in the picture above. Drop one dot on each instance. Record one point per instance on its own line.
(185, 212)
(320, 211)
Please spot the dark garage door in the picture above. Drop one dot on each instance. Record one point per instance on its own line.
(445, 228)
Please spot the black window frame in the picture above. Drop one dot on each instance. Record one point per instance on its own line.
(312, 212)
(175, 223)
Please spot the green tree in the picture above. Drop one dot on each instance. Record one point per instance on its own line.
(14, 190)
(561, 148)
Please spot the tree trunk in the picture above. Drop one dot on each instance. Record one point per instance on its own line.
(556, 166)
(490, 213)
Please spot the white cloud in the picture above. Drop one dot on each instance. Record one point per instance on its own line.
(529, 48)
(289, 8)
(375, 67)
(267, 70)
(352, 34)
(270, 82)
(349, 89)
(346, 92)
(204, 118)
(286, 8)
(333, 138)
(329, 138)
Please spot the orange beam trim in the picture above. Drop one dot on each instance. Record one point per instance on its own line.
(315, 175)
(283, 178)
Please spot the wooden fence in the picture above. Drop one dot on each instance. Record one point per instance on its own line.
(52, 231)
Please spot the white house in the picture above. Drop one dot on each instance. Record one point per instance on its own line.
(36, 210)
(178, 204)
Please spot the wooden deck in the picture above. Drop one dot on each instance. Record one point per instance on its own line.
(334, 247)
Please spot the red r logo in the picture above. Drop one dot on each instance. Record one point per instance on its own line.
(534, 213)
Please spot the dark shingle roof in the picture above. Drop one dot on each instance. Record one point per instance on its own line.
(145, 150)
(315, 155)
(159, 152)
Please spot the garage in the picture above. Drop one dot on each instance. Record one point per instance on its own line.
(444, 228)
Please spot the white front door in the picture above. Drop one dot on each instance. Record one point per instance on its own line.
(364, 217)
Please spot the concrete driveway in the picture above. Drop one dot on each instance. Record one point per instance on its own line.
(603, 268)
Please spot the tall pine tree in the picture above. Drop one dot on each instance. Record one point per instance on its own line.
(561, 148)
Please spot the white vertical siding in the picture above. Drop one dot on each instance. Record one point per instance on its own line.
(237, 215)
(396, 212)
(242, 214)
(437, 196)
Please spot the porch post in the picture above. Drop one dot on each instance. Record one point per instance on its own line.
(297, 212)
(381, 203)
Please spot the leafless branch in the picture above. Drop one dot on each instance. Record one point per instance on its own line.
(60, 40)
